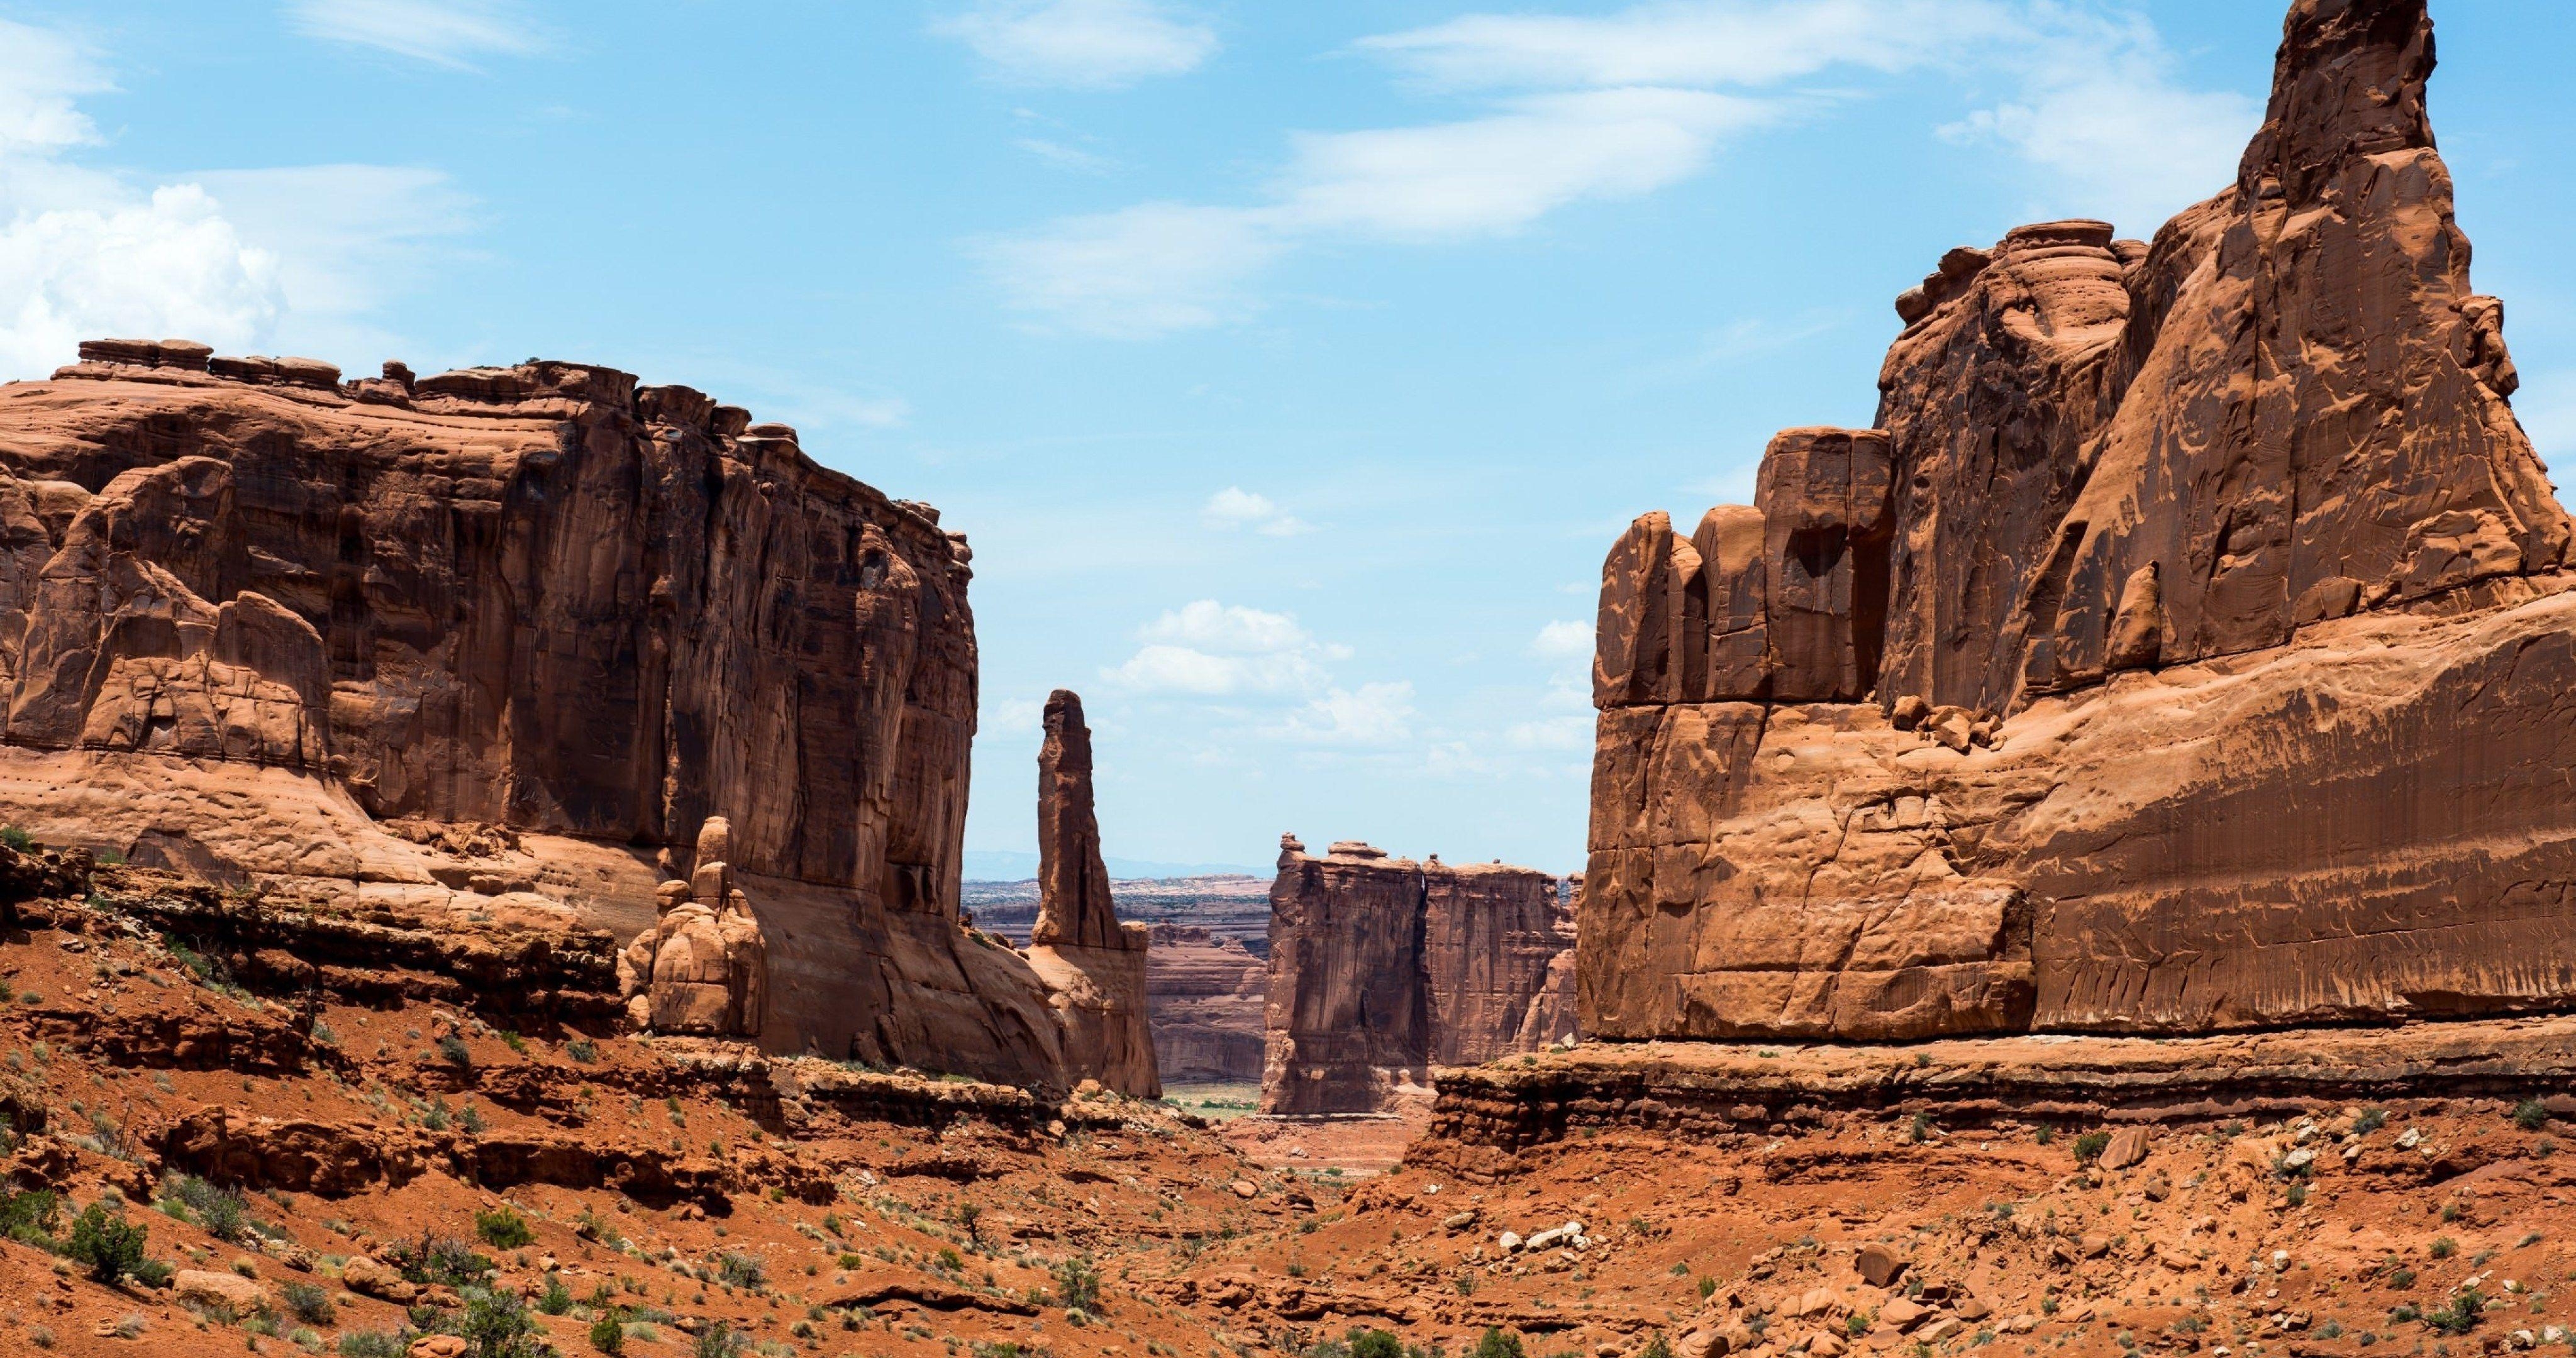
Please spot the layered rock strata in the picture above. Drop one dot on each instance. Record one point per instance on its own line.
(430, 652)
(2183, 650)
(1382, 967)
(1093, 966)
(1206, 993)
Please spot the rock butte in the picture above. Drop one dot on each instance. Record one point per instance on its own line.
(2184, 651)
(484, 654)
(1381, 968)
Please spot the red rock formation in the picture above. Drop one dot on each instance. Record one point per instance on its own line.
(2182, 651)
(1093, 966)
(496, 643)
(1381, 967)
(703, 968)
(1206, 995)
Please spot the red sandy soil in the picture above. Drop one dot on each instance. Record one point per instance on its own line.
(2222, 1238)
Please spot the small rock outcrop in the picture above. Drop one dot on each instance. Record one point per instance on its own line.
(2184, 650)
(1092, 965)
(703, 968)
(1382, 967)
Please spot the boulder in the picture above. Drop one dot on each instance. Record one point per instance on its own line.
(230, 1292)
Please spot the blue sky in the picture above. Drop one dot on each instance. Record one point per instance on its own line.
(1290, 365)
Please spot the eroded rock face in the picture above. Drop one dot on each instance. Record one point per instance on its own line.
(2179, 653)
(1381, 967)
(497, 643)
(1206, 993)
(703, 968)
(1093, 966)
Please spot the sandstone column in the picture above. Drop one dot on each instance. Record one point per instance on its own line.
(1092, 966)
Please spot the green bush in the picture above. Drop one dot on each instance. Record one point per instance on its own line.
(110, 1245)
(2530, 1115)
(2089, 1147)
(1656, 1348)
(451, 1049)
(439, 1261)
(2461, 1316)
(606, 1334)
(311, 1304)
(222, 1211)
(495, 1325)
(719, 1341)
(1497, 1344)
(579, 1049)
(1381, 1344)
(557, 1298)
(372, 1344)
(736, 1269)
(16, 838)
(29, 1217)
(1077, 1285)
(503, 1229)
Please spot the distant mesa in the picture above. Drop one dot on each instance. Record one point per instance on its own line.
(1382, 968)
(2185, 648)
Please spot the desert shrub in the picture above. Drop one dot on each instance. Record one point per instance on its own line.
(496, 1325)
(503, 1229)
(736, 1269)
(311, 1304)
(2089, 1147)
(557, 1298)
(16, 838)
(110, 1245)
(2461, 1316)
(451, 1049)
(607, 1335)
(222, 1211)
(719, 1341)
(29, 1217)
(1498, 1344)
(579, 1049)
(2531, 1115)
(438, 1261)
(1077, 1285)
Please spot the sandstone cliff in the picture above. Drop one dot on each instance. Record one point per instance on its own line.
(1381, 967)
(493, 646)
(1206, 995)
(1093, 966)
(2182, 651)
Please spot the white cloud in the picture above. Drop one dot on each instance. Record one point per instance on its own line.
(1141, 271)
(1588, 108)
(1235, 508)
(1713, 42)
(1081, 44)
(2105, 120)
(169, 265)
(441, 32)
(1208, 649)
(1561, 642)
(1371, 715)
(1205, 622)
(238, 259)
(1551, 733)
(1501, 173)
(1064, 157)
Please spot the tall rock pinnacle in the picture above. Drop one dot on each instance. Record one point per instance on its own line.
(1074, 904)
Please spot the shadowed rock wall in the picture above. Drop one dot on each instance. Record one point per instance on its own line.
(2183, 650)
(1382, 967)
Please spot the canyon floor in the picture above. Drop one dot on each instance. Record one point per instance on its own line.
(327, 1177)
